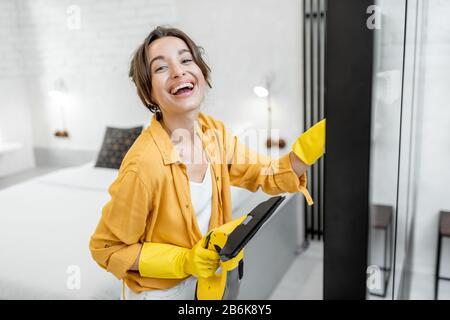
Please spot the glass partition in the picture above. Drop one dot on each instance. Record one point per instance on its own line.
(409, 248)
(389, 33)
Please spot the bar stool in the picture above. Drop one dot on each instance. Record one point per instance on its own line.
(444, 231)
(382, 220)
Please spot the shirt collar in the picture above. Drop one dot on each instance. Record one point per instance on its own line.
(163, 142)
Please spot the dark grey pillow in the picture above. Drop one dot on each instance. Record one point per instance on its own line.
(116, 143)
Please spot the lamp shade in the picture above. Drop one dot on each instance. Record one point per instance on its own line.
(261, 91)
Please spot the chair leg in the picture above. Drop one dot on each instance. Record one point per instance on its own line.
(438, 261)
(389, 228)
(391, 240)
(385, 266)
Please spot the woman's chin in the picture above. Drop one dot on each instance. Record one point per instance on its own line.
(186, 107)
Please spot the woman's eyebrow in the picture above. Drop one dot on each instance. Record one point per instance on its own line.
(180, 52)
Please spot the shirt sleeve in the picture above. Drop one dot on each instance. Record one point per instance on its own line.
(115, 243)
(250, 170)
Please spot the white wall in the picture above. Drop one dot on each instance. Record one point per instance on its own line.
(93, 62)
(243, 40)
(15, 120)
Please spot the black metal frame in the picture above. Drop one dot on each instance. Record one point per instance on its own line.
(348, 88)
(314, 21)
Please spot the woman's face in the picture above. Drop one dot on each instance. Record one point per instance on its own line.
(172, 65)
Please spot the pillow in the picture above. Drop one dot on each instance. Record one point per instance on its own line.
(115, 145)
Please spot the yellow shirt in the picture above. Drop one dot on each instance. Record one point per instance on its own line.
(150, 198)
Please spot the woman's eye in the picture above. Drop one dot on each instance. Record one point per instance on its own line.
(160, 68)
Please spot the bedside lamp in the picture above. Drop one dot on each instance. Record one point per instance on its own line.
(264, 92)
(59, 95)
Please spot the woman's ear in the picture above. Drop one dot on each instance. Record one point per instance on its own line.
(154, 104)
(151, 102)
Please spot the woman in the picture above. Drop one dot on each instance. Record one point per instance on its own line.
(173, 185)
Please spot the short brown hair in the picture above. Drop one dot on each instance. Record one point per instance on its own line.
(140, 72)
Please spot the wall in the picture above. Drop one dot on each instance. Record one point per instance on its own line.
(91, 56)
(15, 120)
(243, 41)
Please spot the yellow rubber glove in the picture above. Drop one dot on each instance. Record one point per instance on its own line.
(201, 262)
(310, 146)
(230, 226)
(160, 260)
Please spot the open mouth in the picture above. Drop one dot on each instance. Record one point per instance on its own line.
(183, 89)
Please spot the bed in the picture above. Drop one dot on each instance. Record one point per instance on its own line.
(46, 224)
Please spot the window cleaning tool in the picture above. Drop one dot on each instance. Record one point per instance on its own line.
(229, 241)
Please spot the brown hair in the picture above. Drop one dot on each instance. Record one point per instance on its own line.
(140, 72)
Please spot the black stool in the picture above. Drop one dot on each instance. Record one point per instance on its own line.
(444, 231)
(382, 220)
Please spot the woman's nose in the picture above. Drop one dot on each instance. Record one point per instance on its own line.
(177, 71)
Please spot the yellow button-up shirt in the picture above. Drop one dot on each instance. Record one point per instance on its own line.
(150, 198)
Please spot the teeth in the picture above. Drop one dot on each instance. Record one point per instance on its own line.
(180, 86)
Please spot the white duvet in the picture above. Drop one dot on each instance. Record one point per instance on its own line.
(45, 227)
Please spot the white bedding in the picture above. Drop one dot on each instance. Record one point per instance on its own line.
(45, 227)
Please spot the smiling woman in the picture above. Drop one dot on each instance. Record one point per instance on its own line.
(166, 198)
(166, 48)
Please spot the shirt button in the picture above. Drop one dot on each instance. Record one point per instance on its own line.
(187, 206)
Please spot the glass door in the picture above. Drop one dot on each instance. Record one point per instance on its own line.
(389, 18)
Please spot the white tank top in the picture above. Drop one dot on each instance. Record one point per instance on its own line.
(201, 197)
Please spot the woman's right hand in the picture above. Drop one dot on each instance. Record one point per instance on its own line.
(161, 260)
(201, 262)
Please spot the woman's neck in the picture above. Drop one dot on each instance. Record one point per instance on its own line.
(186, 121)
(183, 134)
